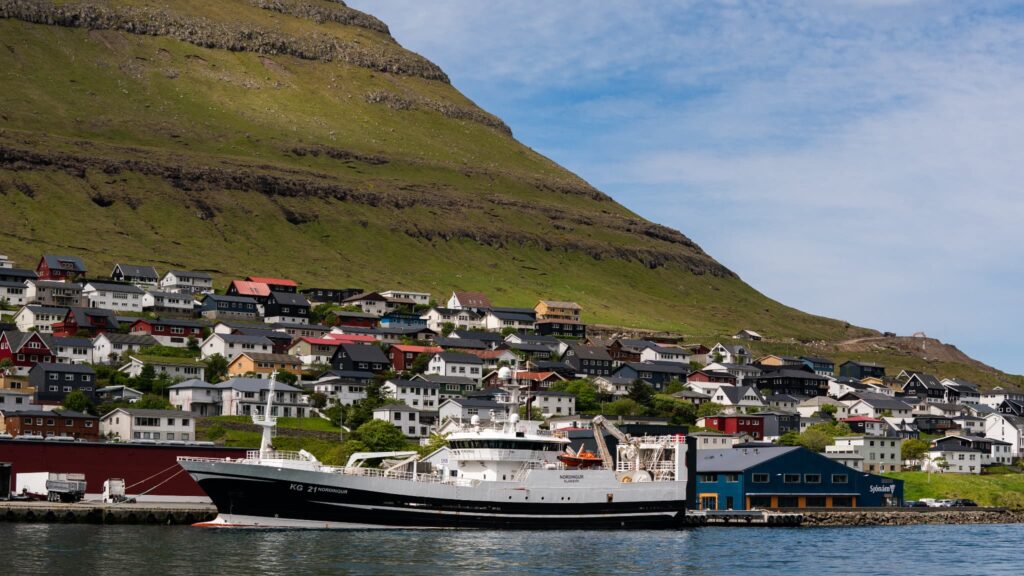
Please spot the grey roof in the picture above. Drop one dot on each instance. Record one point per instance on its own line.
(418, 383)
(795, 374)
(785, 398)
(246, 339)
(687, 393)
(735, 394)
(590, 352)
(739, 459)
(53, 367)
(262, 331)
(963, 384)
(537, 339)
(54, 261)
(54, 310)
(72, 342)
(460, 358)
(660, 367)
(19, 273)
(469, 343)
(131, 339)
(880, 402)
(927, 380)
(513, 316)
(395, 407)
(58, 284)
(114, 287)
(255, 385)
(478, 335)
(454, 311)
(316, 327)
(194, 383)
(635, 344)
(190, 274)
(17, 339)
(174, 322)
(477, 403)
(289, 298)
(669, 350)
(817, 360)
(443, 379)
(5, 284)
(365, 353)
(226, 298)
(351, 314)
(528, 347)
(162, 294)
(137, 271)
(357, 376)
(865, 364)
(741, 367)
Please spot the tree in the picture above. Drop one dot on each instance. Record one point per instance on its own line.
(585, 392)
(318, 400)
(153, 402)
(436, 442)
(709, 409)
(623, 407)
(791, 438)
(914, 449)
(216, 368)
(679, 412)
(674, 386)
(815, 440)
(447, 328)
(144, 381)
(829, 409)
(5, 366)
(193, 346)
(641, 392)
(286, 377)
(420, 364)
(320, 313)
(507, 331)
(381, 436)
(535, 413)
(77, 401)
(338, 456)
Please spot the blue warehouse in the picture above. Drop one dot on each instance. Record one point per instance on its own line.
(762, 476)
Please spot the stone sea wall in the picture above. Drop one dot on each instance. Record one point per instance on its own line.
(911, 516)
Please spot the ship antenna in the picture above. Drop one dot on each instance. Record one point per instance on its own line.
(266, 421)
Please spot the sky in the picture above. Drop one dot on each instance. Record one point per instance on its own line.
(858, 159)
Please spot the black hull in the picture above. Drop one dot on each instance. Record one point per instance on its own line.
(280, 503)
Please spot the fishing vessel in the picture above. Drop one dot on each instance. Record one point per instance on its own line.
(506, 474)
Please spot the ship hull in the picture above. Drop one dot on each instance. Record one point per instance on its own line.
(261, 496)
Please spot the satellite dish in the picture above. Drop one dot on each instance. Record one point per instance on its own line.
(504, 373)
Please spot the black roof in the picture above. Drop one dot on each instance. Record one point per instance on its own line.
(54, 367)
(138, 271)
(365, 353)
(289, 298)
(478, 335)
(460, 357)
(467, 343)
(590, 352)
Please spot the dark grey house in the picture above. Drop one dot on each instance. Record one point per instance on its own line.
(360, 358)
(53, 382)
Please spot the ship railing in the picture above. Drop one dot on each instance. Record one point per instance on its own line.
(275, 455)
(402, 475)
(520, 474)
(201, 459)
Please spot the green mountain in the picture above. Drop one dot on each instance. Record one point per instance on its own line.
(297, 138)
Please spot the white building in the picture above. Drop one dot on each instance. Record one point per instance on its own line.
(176, 368)
(13, 293)
(996, 396)
(964, 454)
(120, 297)
(498, 319)
(73, 350)
(673, 354)
(463, 410)
(419, 298)
(730, 353)
(554, 403)
(196, 397)
(1006, 428)
(187, 282)
(413, 422)
(231, 345)
(129, 424)
(809, 407)
(15, 400)
(718, 440)
(168, 301)
(419, 394)
(110, 345)
(463, 319)
(238, 397)
(342, 391)
(876, 407)
(456, 364)
(738, 399)
(42, 318)
(873, 454)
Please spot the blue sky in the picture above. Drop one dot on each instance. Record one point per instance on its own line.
(863, 160)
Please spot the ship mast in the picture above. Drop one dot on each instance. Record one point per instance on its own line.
(266, 421)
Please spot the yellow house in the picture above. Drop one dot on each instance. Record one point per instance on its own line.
(556, 310)
(773, 360)
(263, 365)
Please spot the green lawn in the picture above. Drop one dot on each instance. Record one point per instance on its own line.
(314, 424)
(986, 490)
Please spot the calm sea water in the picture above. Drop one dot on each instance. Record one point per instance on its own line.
(936, 550)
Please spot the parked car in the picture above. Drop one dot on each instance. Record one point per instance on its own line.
(963, 502)
(915, 504)
(944, 503)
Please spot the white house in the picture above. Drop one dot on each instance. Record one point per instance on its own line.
(1006, 428)
(311, 350)
(960, 391)
(176, 368)
(187, 282)
(340, 390)
(996, 396)
(964, 454)
(665, 354)
(13, 293)
(42, 318)
(878, 406)
(463, 319)
(738, 399)
(129, 424)
(120, 297)
(473, 300)
(456, 364)
(156, 300)
(107, 346)
(730, 353)
(73, 350)
(419, 394)
(419, 298)
(501, 319)
(238, 397)
(196, 397)
(463, 410)
(16, 400)
(413, 422)
(873, 454)
(554, 403)
(369, 303)
(231, 345)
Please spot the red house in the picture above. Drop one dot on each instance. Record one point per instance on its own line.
(709, 376)
(26, 349)
(91, 321)
(257, 290)
(52, 267)
(751, 424)
(276, 284)
(169, 332)
(356, 319)
(403, 355)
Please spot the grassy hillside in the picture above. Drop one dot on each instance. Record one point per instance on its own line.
(987, 490)
(297, 138)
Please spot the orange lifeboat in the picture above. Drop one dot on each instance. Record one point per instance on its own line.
(581, 459)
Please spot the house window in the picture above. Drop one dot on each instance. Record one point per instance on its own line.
(791, 478)
(812, 478)
(759, 478)
(54, 376)
(732, 477)
(840, 479)
(709, 477)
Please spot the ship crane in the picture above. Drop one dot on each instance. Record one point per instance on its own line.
(601, 423)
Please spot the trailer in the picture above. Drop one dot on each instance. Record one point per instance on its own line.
(65, 487)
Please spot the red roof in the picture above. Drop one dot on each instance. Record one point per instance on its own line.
(245, 288)
(349, 338)
(414, 348)
(275, 281)
(860, 419)
(535, 375)
(321, 341)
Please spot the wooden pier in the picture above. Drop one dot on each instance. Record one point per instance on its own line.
(100, 513)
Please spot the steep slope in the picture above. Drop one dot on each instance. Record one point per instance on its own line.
(297, 138)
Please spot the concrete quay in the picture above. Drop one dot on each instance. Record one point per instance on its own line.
(100, 513)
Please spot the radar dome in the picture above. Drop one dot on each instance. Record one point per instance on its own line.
(505, 373)
(475, 420)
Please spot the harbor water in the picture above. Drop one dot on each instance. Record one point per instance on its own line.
(89, 549)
